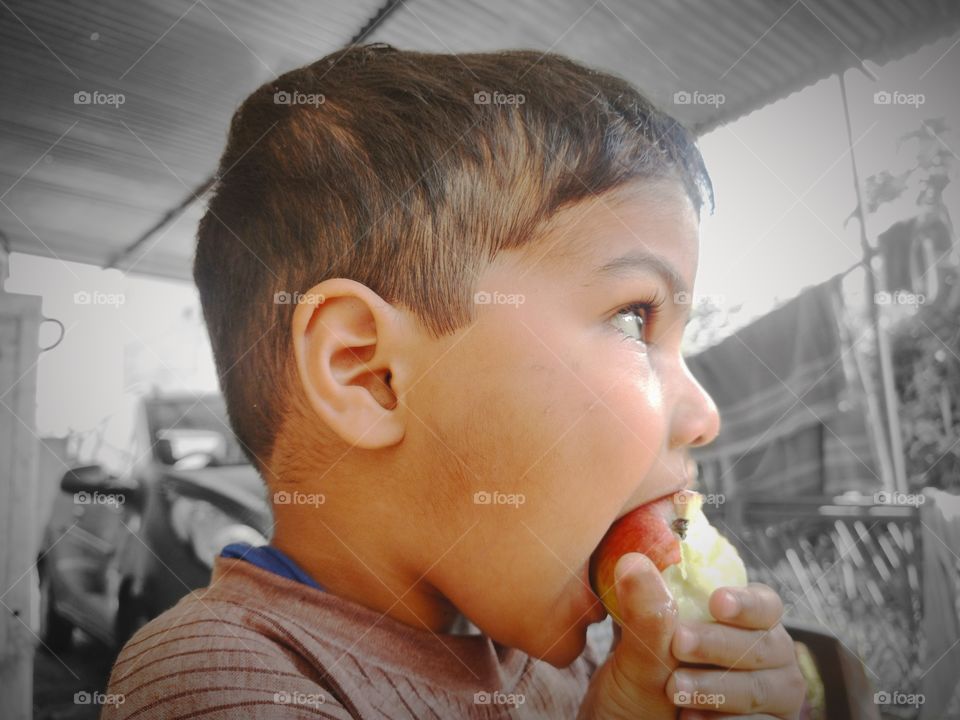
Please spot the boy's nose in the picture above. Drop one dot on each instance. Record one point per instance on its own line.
(696, 420)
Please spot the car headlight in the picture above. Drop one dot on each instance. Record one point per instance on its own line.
(209, 529)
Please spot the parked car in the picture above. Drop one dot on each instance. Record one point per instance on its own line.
(118, 551)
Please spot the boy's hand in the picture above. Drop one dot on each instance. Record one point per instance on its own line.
(760, 674)
(630, 684)
(639, 678)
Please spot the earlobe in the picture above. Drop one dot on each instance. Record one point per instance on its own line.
(346, 345)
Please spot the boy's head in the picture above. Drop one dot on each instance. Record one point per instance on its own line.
(415, 271)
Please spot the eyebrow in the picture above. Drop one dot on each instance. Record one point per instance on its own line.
(639, 261)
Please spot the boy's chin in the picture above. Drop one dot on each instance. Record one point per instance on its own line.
(559, 650)
(563, 640)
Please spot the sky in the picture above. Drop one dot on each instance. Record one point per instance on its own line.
(784, 189)
(784, 182)
(125, 335)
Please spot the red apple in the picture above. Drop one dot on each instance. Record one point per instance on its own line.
(674, 533)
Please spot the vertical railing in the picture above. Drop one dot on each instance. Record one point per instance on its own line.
(850, 565)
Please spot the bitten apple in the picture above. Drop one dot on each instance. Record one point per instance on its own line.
(693, 558)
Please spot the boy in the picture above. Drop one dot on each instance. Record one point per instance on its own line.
(444, 297)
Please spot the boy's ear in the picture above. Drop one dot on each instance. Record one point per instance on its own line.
(348, 346)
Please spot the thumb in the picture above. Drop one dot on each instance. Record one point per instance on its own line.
(642, 656)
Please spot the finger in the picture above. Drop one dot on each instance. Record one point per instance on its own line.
(642, 657)
(732, 647)
(778, 692)
(756, 606)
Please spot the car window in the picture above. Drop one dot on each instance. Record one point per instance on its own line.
(186, 418)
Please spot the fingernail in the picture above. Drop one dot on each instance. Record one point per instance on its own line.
(686, 640)
(729, 604)
(683, 682)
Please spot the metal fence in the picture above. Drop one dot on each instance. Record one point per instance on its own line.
(853, 567)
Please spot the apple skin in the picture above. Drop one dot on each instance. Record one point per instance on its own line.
(692, 557)
(647, 530)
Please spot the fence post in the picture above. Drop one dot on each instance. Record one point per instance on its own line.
(19, 350)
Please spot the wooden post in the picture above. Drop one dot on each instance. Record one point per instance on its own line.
(19, 350)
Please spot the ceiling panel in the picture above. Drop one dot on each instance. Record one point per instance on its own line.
(83, 182)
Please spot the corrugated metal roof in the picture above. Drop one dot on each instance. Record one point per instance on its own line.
(83, 181)
(88, 179)
(750, 51)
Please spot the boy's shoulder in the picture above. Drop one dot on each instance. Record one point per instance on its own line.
(222, 651)
(255, 645)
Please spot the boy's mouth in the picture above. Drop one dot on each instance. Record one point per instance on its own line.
(685, 485)
(585, 569)
(599, 611)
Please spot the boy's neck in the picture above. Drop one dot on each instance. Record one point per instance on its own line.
(383, 590)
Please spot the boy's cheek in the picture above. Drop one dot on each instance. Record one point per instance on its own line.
(552, 453)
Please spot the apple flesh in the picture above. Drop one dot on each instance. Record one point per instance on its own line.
(693, 558)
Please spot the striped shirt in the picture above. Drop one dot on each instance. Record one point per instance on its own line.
(254, 644)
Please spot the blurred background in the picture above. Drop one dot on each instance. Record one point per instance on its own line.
(825, 319)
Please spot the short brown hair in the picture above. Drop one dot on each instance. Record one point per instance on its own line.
(406, 172)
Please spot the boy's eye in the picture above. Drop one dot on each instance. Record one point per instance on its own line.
(633, 320)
